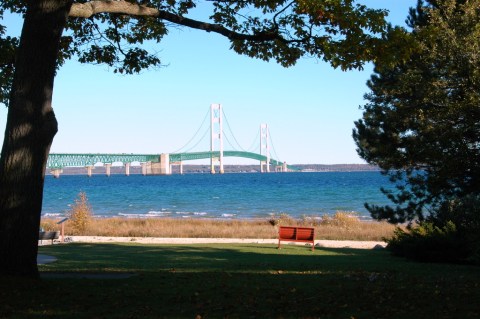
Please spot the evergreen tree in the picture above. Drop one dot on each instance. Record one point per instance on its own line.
(421, 124)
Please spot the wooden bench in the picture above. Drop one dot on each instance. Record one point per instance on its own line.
(297, 234)
(48, 235)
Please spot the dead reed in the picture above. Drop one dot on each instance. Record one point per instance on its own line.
(341, 226)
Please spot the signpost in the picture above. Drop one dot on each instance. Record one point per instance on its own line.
(63, 228)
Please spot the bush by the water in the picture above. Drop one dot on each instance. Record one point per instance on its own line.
(80, 214)
(451, 235)
(463, 212)
(429, 243)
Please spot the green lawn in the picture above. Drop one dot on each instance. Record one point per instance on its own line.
(241, 281)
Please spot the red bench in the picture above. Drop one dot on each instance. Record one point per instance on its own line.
(297, 234)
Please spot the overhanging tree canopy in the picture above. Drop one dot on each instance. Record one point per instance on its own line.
(341, 32)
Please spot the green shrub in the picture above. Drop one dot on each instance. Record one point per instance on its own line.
(463, 212)
(450, 234)
(429, 243)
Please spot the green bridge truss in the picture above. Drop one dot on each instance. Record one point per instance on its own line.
(81, 160)
(58, 161)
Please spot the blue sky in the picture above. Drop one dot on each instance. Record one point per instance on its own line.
(309, 108)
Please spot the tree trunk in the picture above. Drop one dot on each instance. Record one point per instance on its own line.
(31, 126)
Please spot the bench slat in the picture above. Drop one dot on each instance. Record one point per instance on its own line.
(287, 232)
(297, 234)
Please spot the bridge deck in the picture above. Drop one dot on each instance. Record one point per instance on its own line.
(58, 161)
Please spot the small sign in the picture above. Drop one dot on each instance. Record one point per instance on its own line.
(63, 220)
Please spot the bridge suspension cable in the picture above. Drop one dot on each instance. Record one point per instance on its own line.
(230, 143)
(273, 146)
(254, 146)
(231, 132)
(195, 135)
(199, 141)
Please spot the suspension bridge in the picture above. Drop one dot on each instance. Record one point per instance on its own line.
(161, 164)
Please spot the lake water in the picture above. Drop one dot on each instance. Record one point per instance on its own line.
(227, 196)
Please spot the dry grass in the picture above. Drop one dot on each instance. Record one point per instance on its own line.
(341, 226)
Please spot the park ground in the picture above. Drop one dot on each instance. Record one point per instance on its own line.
(133, 280)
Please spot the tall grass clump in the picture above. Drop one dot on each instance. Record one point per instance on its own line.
(48, 225)
(282, 219)
(342, 220)
(80, 215)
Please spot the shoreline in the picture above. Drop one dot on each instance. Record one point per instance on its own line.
(227, 218)
(207, 217)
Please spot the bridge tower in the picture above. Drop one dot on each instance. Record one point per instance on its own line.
(264, 148)
(216, 132)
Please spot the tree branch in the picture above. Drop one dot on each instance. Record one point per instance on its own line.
(89, 9)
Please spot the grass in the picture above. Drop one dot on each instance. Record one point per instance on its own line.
(241, 281)
(341, 226)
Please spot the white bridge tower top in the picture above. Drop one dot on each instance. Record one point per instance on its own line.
(216, 133)
(264, 147)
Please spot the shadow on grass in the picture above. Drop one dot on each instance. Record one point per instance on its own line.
(243, 258)
(238, 281)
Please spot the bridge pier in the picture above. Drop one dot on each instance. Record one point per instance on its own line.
(180, 164)
(89, 170)
(212, 166)
(262, 169)
(165, 164)
(163, 167)
(108, 166)
(213, 161)
(282, 168)
(56, 172)
(127, 169)
(144, 168)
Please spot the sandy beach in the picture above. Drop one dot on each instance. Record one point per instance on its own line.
(186, 241)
